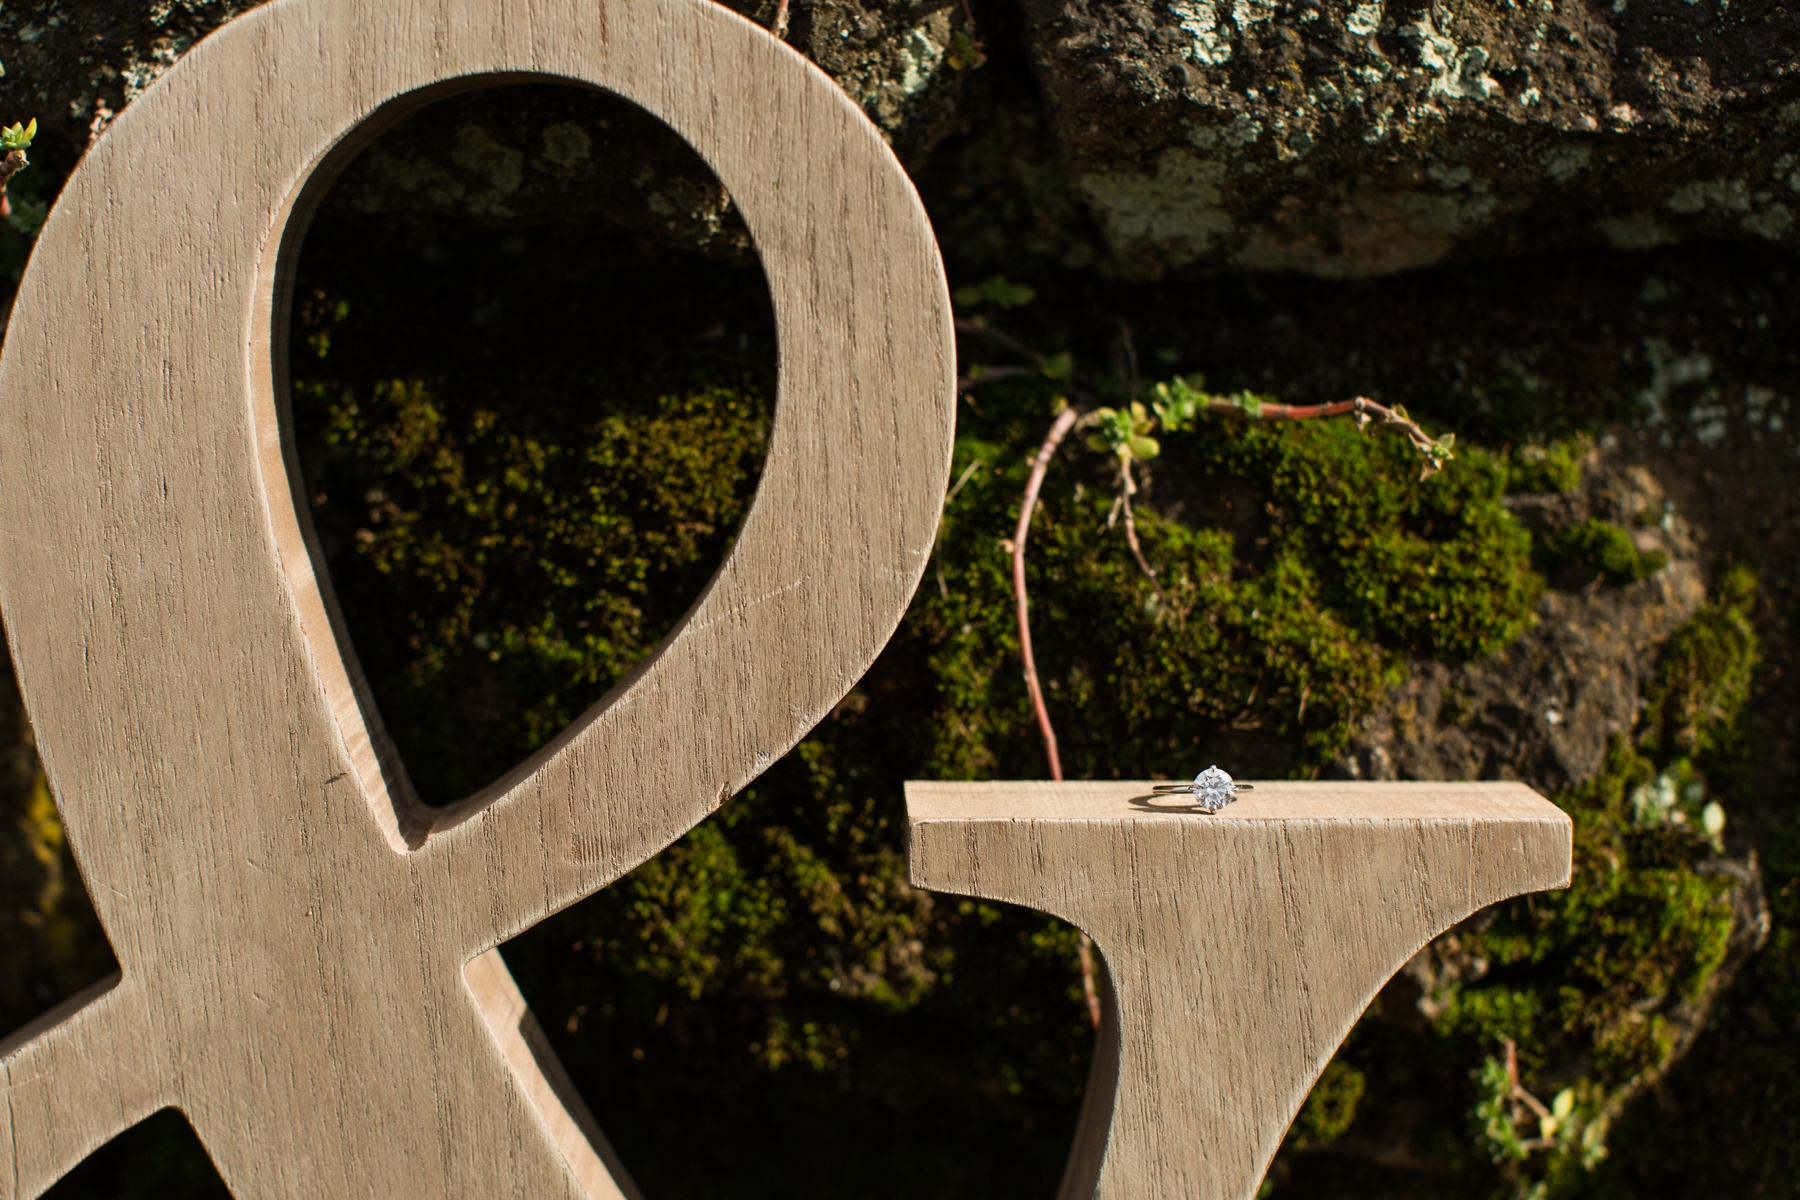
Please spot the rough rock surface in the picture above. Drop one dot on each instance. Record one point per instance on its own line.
(506, 155)
(1544, 710)
(537, 156)
(1344, 139)
(908, 63)
(74, 64)
(552, 154)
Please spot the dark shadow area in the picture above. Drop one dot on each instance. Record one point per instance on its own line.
(51, 943)
(159, 1158)
(533, 375)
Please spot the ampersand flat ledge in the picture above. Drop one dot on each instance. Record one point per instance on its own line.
(1239, 948)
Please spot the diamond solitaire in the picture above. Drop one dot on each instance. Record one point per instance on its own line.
(1212, 789)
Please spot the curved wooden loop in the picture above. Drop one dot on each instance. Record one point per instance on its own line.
(1239, 948)
(292, 929)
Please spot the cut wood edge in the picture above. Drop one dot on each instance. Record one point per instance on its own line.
(566, 1118)
(87, 1055)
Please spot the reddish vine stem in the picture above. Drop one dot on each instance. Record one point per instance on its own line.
(1059, 430)
(1366, 411)
(13, 163)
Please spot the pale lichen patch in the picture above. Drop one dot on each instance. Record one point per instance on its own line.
(1199, 19)
(1179, 210)
(1633, 231)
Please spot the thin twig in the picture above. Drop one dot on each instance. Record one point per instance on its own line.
(1130, 348)
(1084, 945)
(1127, 487)
(968, 473)
(1059, 430)
(779, 25)
(964, 325)
(989, 375)
(1367, 412)
(937, 559)
(13, 163)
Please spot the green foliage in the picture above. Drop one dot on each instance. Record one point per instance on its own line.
(1436, 567)
(17, 136)
(1123, 433)
(1595, 985)
(1330, 1108)
(1695, 703)
(536, 563)
(1549, 468)
(996, 292)
(964, 53)
(1287, 647)
(26, 195)
(1182, 400)
(1605, 549)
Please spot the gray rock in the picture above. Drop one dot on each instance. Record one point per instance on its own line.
(505, 155)
(537, 156)
(908, 63)
(1344, 139)
(549, 154)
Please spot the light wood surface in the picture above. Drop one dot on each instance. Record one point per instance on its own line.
(1239, 948)
(305, 949)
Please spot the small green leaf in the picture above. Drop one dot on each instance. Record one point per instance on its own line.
(964, 53)
(997, 292)
(1564, 1104)
(1712, 819)
(1144, 447)
(1058, 366)
(17, 136)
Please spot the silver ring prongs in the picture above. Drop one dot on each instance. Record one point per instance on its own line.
(1212, 789)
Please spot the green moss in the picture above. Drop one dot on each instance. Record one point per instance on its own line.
(1695, 703)
(1555, 467)
(534, 565)
(1603, 549)
(1587, 983)
(1434, 567)
(1330, 1107)
(1293, 646)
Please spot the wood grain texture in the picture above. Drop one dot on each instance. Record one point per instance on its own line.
(1239, 948)
(303, 947)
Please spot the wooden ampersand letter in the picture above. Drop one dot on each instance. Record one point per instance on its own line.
(305, 952)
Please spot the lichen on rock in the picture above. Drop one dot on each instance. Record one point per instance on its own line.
(1360, 140)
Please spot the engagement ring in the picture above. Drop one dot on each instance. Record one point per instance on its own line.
(1212, 789)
